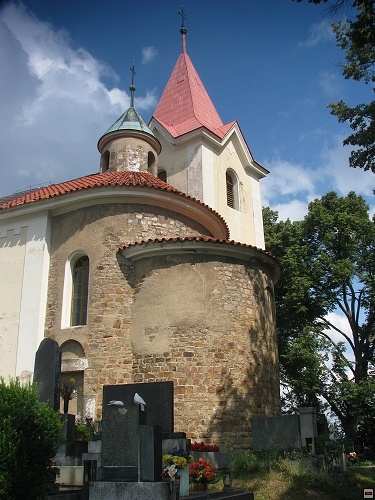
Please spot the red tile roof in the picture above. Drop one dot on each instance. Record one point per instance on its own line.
(126, 178)
(191, 238)
(206, 239)
(89, 181)
(185, 104)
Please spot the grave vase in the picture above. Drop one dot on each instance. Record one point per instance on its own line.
(184, 482)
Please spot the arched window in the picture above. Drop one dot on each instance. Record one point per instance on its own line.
(104, 162)
(150, 161)
(162, 175)
(80, 288)
(232, 190)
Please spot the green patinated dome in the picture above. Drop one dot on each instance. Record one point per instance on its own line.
(130, 120)
(130, 123)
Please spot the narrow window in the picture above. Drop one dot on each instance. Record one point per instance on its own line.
(80, 287)
(230, 191)
(150, 160)
(162, 175)
(232, 186)
(104, 162)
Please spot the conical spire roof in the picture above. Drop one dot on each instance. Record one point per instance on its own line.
(185, 104)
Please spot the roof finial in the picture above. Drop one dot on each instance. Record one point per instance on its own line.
(132, 87)
(183, 30)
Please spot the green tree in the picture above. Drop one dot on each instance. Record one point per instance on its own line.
(356, 37)
(329, 266)
(29, 438)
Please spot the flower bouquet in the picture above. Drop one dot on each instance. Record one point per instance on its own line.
(202, 471)
(172, 462)
(352, 457)
(204, 447)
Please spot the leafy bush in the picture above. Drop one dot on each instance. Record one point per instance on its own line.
(244, 463)
(29, 438)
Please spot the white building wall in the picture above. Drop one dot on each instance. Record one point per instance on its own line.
(198, 167)
(24, 261)
(258, 213)
(208, 177)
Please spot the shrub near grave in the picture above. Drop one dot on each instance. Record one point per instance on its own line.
(29, 438)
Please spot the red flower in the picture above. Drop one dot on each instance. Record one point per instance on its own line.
(202, 471)
(204, 447)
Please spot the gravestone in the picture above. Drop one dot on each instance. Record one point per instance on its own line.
(157, 395)
(47, 372)
(132, 435)
(308, 427)
(281, 432)
(120, 437)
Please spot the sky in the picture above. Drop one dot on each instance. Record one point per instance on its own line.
(272, 65)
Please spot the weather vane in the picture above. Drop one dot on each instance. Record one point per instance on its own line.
(132, 87)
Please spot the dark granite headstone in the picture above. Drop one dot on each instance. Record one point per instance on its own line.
(120, 436)
(271, 433)
(47, 372)
(157, 395)
(150, 445)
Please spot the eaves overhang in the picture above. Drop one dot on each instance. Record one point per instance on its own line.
(117, 134)
(203, 246)
(174, 201)
(203, 133)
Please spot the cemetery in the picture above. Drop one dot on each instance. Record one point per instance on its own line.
(135, 451)
(124, 456)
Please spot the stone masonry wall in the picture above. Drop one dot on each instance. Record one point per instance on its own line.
(204, 322)
(211, 331)
(99, 232)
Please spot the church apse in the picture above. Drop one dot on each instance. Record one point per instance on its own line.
(202, 322)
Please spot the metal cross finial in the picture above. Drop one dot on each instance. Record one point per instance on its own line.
(183, 17)
(183, 30)
(132, 87)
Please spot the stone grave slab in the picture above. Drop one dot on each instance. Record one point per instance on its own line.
(47, 372)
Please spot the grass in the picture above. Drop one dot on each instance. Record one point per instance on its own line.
(275, 478)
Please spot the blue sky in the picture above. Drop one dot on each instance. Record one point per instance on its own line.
(273, 65)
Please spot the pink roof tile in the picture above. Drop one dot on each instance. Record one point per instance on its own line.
(185, 104)
(126, 178)
(90, 181)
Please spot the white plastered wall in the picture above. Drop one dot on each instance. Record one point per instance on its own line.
(198, 167)
(24, 263)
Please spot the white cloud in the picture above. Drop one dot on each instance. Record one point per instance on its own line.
(288, 189)
(54, 104)
(319, 32)
(294, 210)
(342, 178)
(149, 54)
(340, 322)
(330, 83)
